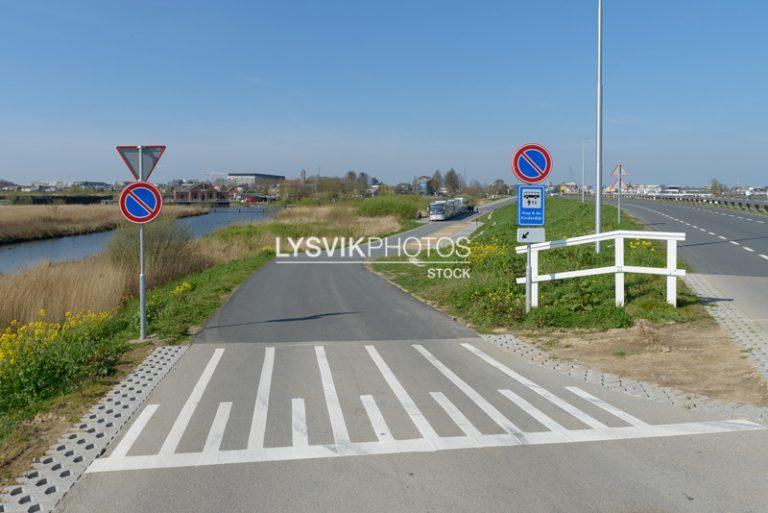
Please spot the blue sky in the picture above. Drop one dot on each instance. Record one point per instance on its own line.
(395, 89)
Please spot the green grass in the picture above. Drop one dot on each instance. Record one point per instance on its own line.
(491, 300)
(76, 361)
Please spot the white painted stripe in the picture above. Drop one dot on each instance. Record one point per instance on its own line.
(299, 423)
(749, 249)
(724, 238)
(419, 445)
(534, 412)
(764, 256)
(216, 434)
(490, 410)
(377, 419)
(456, 415)
(711, 233)
(339, 427)
(546, 394)
(133, 433)
(180, 425)
(694, 226)
(626, 417)
(259, 420)
(734, 243)
(409, 406)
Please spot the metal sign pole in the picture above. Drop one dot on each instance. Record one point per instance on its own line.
(142, 276)
(527, 278)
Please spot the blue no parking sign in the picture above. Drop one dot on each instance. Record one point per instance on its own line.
(530, 205)
(141, 202)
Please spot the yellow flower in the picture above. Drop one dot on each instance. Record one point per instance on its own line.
(41, 313)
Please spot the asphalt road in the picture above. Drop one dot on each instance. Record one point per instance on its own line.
(321, 387)
(728, 247)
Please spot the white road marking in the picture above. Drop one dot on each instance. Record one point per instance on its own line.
(764, 256)
(626, 417)
(409, 406)
(546, 394)
(133, 433)
(216, 434)
(259, 420)
(724, 238)
(378, 423)
(212, 454)
(299, 435)
(490, 410)
(180, 425)
(734, 243)
(338, 426)
(534, 412)
(420, 445)
(748, 249)
(711, 233)
(456, 415)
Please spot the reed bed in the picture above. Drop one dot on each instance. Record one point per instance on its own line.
(30, 222)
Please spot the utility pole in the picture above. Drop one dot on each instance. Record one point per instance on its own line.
(583, 185)
(599, 128)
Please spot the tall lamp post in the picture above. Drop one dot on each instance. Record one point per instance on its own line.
(599, 128)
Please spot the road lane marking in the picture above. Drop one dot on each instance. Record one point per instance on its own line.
(711, 233)
(546, 394)
(413, 411)
(490, 410)
(130, 437)
(734, 243)
(216, 434)
(378, 422)
(626, 417)
(764, 256)
(456, 415)
(300, 449)
(541, 417)
(724, 238)
(180, 425)
(338, 426)
(749, 249)
(299, 435)
(259, 420)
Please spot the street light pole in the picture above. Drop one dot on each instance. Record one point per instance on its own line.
(599, 128)
(583, 185)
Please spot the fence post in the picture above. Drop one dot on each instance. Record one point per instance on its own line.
(619, 261)
(534, 277)
(672, 266)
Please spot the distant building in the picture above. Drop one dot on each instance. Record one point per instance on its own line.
(197, 192)
(423, 186)
(251, 178)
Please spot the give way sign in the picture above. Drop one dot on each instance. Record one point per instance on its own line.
(150, 156)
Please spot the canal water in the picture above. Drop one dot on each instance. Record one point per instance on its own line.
(15, 257)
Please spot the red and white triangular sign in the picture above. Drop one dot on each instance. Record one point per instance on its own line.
(150, 156)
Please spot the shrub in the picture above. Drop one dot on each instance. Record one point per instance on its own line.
(169, 251)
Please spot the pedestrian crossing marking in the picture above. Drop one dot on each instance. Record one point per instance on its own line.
(385, 443)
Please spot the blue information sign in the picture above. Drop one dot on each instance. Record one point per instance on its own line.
(530, 205)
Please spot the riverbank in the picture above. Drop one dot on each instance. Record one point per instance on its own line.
(22, 223)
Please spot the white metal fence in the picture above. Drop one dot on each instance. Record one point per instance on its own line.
(619, 269)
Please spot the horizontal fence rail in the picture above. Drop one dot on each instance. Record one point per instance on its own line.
(619, 268)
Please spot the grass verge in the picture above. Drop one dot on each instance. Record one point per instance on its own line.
(489, 300)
